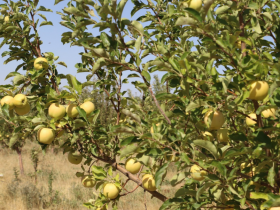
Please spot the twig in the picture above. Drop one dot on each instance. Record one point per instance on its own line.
(158, 106)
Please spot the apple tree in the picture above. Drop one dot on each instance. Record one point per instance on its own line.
(218, 124)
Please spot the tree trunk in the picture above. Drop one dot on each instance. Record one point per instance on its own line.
(20, 161)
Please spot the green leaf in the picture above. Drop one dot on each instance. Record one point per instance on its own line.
(18, 79)
(185, 21)
(194, 14)
(195, 104)
(75, 11)
(132, 115)
(146, 75)
(120, 7)
(12, 74)
(128, 140)
(160, 174)
(100, 52)
(271, 176)
(128, 150)
(13, 140)
(44, 23)
(259, 195)
(203, 189)
(208, 146)
(43, 16)
(222, 9)
(44, 9)
(138, 43)
(105, 39)
(82, 113)
(74, 83)
(221, 168)
(57, 1)
(98, 172)
(138, 27)
(62, 63)
(5, 110)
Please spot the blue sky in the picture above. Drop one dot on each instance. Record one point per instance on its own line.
(51, 37)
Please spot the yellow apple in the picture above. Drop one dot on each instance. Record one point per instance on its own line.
(152, 128)
(250, 122)
(24, 110)
(197, 174)
(88, 181)
(245, 165)
(195, 4)
(148, 182)
(132, 165)
(268, 113)
(217, 120)
(171, 157)
(275, 208)
(39, 66)
(46, 135)
(207, 136)
(111, 191)
(222, 135)
(20, 100)
(72, 111)
(258, 90)
(75, 158)
(6, 19)
(88, 107)
(9, 100)
(57, 111)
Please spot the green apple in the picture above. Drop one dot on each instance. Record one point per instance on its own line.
(9, 100)
(222, 135)
(250, 122)
(23, 110)
(56, 111)
(148, 182)
(217, 120)
(88, 107)
(132, 165)
(20, 100)
(195, 4)
(75, 158)
(110, 190)
(197, 173)
(6, 19)
(46, 135)
(39, 66)
(258, 90)
(268, 113)
(88, 181)
(72, 111)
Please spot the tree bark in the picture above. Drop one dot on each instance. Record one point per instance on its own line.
(132, 177)
(20, 161)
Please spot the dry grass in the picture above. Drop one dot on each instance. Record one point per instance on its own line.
(67, 191)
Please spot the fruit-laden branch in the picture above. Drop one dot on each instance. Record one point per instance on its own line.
(130, 176)
(245, 115)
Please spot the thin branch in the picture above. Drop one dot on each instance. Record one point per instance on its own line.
(158, 106)
(245, 115)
